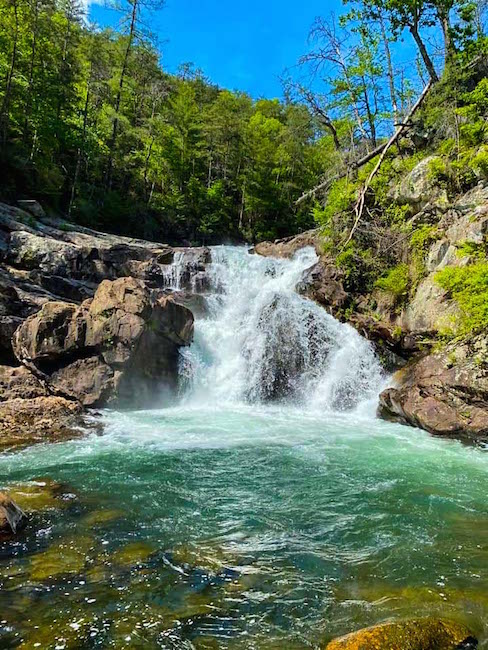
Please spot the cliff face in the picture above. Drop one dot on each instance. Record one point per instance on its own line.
(86, 320)
(443, 384)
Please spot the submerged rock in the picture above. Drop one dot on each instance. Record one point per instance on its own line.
(12, 517)
(417, 634)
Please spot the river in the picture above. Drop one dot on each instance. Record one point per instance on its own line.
(264, 507)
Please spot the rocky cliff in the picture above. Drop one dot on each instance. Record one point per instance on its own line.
(87, 319)
(442, 384)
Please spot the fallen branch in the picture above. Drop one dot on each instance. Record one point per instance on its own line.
(380, 149)
(359, 209)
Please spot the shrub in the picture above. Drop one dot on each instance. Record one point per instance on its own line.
(396, 282)
(468, 286)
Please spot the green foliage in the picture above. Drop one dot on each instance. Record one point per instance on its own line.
(340, 198)
(423, 237)
(91, 125)
(469, 287)
(395, 282)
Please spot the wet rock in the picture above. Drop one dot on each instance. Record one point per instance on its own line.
(118, 345)
(446, 393)
(12, 518)
(324, 284)
(417, 634)
(41, 494)
(42, 419)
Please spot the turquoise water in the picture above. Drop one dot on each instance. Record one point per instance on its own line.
(263, 524)
(238, 518)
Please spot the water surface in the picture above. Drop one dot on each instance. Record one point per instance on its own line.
(249, 512)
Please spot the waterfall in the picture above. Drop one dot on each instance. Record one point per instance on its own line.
(260, 341)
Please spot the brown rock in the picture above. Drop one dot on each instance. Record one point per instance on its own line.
(90, 380)
(324, 284)
(12, 518)
(87, 352)
(445, 393)
(56, 330)
(288, 246)
(419, 634)
(19, 383)
(42, 419)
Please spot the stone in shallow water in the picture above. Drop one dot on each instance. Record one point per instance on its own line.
(41, 494)
(12, 518)
(133, 554)
(68, 557)
(416, 634)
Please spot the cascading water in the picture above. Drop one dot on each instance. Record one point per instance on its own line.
(261, 341)
(265, 507)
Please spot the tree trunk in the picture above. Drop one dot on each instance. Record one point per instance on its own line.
(390, 73)
(424, 54)
(28, 101)
(81, 148)
(4, 119)
(445, 22)
(118, 99)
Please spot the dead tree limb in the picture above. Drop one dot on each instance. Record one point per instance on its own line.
(380, 149)
(362, 195)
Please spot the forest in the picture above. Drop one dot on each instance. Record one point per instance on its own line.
(94, 127)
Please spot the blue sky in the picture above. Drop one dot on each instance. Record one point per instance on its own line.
(240, 46)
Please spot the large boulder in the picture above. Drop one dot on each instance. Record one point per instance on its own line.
(420, 187)
(323, 283)
(96, 351)
(417, 634)
(446, 393)
(12, 518)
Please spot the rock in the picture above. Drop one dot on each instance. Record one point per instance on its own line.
(57, 329)
(324, 284)
(19, 383)
(42, 419)
(418, 188)
(119, 346)
(33, 207)
(417, 634)
(288, 246)
(8, 325)
(12, 518)
(91, 381)
(430, 310)
(446, 393)
(48, 255)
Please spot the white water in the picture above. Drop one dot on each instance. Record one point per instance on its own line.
(262, 341)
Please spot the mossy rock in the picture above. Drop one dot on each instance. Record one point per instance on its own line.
(416, 634)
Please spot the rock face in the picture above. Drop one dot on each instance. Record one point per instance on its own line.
(116, 347)
(445, 393)
(420, 634)
(12, 518)
(40, 419)
(419, 187)
(92, 318)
